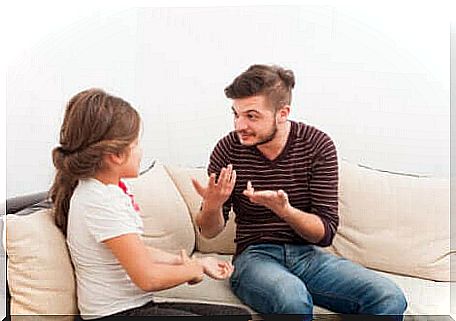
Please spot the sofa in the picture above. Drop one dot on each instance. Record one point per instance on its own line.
(393, 223)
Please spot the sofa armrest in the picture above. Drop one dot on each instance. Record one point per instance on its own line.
(15, 204)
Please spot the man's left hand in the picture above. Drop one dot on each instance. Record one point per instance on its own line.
(276, 201)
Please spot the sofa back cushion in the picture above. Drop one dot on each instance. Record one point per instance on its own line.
(222, 243)
(393, 222)
(39, 270)
(167, 222)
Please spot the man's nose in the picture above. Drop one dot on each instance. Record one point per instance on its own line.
(240, 124)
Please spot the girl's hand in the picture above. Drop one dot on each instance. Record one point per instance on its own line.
(216, 269)
(194, 266)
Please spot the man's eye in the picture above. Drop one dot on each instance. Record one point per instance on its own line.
(251, 116)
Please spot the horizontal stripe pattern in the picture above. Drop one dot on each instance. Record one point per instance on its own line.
(307, 170)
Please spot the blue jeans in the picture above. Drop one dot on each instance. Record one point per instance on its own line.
(290, 279)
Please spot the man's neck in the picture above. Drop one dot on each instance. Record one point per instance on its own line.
(273, 148)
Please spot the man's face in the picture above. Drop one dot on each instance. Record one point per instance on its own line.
(254, 121)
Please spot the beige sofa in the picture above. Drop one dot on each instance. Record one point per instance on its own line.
(396, 224)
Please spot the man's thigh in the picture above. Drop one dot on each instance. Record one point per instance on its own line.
(339, 284)
(261, 281)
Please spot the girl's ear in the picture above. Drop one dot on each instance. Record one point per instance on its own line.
(115, 159)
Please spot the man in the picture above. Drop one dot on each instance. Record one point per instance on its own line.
(281, 178)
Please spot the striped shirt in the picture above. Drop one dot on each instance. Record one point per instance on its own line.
(306, 170)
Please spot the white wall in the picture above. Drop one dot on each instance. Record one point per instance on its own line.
(375, 78)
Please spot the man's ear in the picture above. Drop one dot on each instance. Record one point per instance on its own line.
(283, 113)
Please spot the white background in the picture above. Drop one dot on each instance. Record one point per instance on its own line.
(375, 77)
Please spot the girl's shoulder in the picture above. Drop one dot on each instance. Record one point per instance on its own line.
(91, 192)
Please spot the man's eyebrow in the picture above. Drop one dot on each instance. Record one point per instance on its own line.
(246, 112)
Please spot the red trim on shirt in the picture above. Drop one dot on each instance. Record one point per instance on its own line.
(124, 188)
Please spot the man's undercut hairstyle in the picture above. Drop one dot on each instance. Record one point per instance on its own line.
(272, 81)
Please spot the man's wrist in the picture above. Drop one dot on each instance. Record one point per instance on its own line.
(210, 206)
(285, 212)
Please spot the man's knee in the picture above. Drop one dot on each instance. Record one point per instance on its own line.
(283, 295)
(387, 298)
(395, 299)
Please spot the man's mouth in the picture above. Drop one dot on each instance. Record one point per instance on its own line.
(244, 135)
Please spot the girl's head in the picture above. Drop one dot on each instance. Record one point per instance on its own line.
(98, 131)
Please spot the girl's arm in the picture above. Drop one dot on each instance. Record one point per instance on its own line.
(145, 271)
(160, 256)
(216, 269)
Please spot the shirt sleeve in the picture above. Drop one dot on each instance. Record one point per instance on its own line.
(112, 215)
(220, 158)
(324, 187)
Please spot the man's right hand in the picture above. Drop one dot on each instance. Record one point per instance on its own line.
(215, 194)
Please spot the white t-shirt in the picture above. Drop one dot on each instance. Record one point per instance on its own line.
(99, 212)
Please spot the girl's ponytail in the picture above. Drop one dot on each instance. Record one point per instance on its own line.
(62, 190)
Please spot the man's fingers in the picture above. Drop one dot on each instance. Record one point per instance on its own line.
(266, 194)
(282, 194)
(261, 197)
(199, 189)
(211, 183)
(251, 196)
(226, 176)
(247, 193)
(233, 178)
(222, 176)
(229, 170)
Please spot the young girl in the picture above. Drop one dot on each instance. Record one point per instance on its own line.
(116, 273)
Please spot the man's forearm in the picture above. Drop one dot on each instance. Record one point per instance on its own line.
(309, 226)
(210, 221)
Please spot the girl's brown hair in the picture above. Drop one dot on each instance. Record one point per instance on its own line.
(95, 124)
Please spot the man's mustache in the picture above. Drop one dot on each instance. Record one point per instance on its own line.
(243, 132)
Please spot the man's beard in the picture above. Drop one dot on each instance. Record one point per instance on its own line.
(264, 140)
